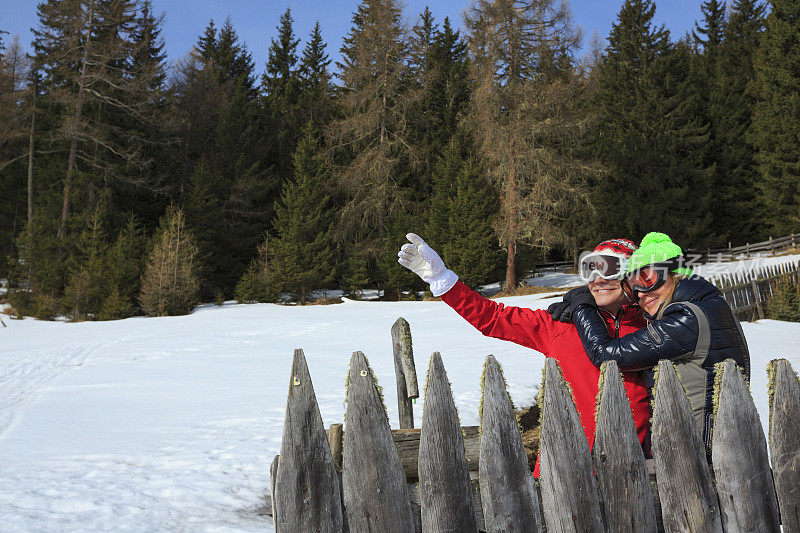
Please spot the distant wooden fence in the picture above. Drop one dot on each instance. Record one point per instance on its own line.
(748, 292)
(464, 481)
(731, 252)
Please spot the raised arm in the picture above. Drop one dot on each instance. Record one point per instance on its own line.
(523, 326)
(528, 327)
(674, 336)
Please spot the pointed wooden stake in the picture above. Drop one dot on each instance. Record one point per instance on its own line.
(784, 440)
(508, 491)
(374, 484)
(569, 494)
(405, 372)
(739, 455)
(688, 499)
(445, 493)
(619, 460)
(307, 496)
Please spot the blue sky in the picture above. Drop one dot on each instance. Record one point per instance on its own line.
(255, 20)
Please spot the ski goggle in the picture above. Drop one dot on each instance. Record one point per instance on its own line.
(602, 265)
(652, 276)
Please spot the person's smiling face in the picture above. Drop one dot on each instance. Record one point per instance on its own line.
(607, 293)
(650, 301)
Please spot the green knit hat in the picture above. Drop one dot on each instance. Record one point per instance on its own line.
(656, 248)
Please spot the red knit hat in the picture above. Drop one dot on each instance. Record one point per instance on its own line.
(617, 246)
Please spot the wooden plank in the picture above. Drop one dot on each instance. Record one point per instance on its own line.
(407, 442)
(619, 460)
(405, 372)
(508, 491)
(784, 440)
(273, 473)
(374, 485)
(739, 455)
(688, 500)
(567, 483)
(445, 493)
(307, 495)
(335, 435)
(757, 297)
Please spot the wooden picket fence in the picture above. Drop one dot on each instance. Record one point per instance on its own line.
(747, 292)
(448, 478)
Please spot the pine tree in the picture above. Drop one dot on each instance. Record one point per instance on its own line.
(205, 214)
(462, 214)
(709, 35)
(226, 187)
(370, 144)
(776, 118)
(259, 283)
(15, 116)
(651, 134)
(147, 68)
(125, 260)
(302, 249)
(521, 115)
(316, 81)
(233, 63)
(82, 47)
(281, 88)
(440, 68)
(170, 281)
(453, 85)
(737, 210)
(206, 43)
(88, 285)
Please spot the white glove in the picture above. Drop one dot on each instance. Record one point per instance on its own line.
(423, 261)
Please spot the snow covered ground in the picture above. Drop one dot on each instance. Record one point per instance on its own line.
(154, 424)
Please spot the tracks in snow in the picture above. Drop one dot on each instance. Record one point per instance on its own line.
(22, 381)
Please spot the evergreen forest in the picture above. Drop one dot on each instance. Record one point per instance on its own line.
(132, 185)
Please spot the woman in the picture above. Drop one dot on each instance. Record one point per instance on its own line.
(535, 329)
(690, 324)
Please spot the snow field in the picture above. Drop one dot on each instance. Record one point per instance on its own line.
(155, 424)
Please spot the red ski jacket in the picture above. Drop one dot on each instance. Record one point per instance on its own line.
(536, 329)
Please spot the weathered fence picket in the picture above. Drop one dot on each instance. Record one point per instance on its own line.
(784, 440)
(374, 484)
(508, 491)
(688, 499)
(569, 496)
(739, 456)
(445, 493)
(405, 372)
(273, 475)
(619, 460)
(306, 481)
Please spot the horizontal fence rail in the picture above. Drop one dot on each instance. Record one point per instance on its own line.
(770, 245)
(452, 486)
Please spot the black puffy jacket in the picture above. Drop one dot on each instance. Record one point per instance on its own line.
(696, 331)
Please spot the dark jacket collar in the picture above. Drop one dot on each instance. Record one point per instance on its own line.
(693, 289)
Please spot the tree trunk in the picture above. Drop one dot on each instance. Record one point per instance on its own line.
(73, 148)
(30, 190)
(30, 162)
(511, 198)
